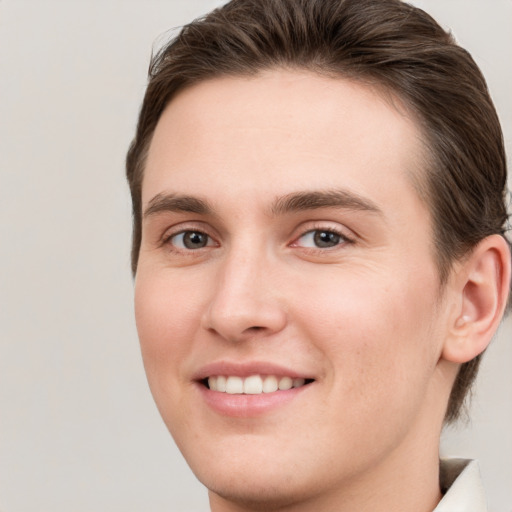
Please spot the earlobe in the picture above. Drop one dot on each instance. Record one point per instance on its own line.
(482, 282)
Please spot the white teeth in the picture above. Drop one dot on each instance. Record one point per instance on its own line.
(270, 384)
(212, 383)
(234, 385)
(297, 383)
(253, 385)
(221, 383)
(285, 383)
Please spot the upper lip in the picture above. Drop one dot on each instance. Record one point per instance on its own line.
(246, 369)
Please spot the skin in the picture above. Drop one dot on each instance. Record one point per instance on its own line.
(365, 318)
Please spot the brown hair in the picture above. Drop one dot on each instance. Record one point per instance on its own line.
(384, 42)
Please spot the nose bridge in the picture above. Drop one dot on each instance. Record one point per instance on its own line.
(244, 299)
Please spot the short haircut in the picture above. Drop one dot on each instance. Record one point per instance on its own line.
(384, 43)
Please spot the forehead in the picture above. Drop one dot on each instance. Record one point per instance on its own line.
(280, 130)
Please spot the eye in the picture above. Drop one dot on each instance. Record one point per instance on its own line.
(190, 240)
(320, 239)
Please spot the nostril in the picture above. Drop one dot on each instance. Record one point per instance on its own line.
(255, 330)
(242, 318)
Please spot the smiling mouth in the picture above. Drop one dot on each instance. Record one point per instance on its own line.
(253, 385)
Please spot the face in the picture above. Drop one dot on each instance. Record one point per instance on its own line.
(287, 299)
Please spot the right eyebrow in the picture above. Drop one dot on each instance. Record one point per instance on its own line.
(176, 203)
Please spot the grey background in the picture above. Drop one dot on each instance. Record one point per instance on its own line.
(78, 428)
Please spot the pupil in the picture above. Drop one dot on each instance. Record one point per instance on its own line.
(326, 239)
(194, 240)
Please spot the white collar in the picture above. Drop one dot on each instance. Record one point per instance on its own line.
(465, 492)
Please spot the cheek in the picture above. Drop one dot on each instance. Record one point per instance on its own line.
(167, 317)
(377, 336)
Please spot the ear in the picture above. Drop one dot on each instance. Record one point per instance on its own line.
(481, 284)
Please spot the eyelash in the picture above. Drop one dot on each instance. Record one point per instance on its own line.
(344, 240)
(167, 241)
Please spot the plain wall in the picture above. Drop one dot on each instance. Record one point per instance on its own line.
(78, 428)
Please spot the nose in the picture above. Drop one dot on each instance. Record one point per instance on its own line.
(246, 300)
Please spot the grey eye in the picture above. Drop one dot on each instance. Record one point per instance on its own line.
(326, 239)
(190, 240)
(322, 239)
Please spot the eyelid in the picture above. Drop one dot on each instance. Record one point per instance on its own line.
(184, 227)
(181, 247)
(346, 234)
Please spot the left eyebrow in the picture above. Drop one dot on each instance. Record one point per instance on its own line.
(313, 200)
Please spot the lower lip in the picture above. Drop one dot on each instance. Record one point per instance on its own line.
(246, 406)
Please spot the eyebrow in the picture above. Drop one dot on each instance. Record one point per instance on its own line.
(313, 200)
(177, 203)
(293, 202)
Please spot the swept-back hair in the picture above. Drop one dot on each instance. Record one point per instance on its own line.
(385, 43)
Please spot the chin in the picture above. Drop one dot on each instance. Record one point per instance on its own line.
(260, 474)
(257, 490)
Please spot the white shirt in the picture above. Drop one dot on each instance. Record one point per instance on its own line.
(465, 492)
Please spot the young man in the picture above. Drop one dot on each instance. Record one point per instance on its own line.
(319, 215)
